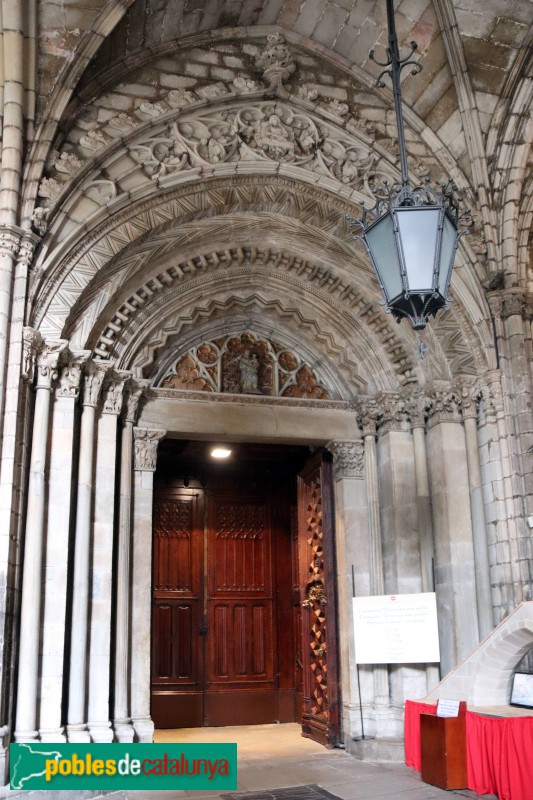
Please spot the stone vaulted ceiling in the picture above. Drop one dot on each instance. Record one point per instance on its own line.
(178, 183)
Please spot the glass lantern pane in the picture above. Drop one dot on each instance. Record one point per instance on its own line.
(418, 233)
(447, 253)
(382, 245)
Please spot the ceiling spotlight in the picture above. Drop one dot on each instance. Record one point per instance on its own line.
(220, 452)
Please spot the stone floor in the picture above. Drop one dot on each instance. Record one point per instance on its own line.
(275, 756)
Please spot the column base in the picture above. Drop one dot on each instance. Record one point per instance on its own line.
(78, 734)
(144, 729)
(123, 730)
(100, 732)
(26, 736)
(53, 736)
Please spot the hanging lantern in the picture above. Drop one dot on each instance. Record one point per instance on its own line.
(411, 233)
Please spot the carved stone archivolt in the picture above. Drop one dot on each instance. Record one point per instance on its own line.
(245, 364)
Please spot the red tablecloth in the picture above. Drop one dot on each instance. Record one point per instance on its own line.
(499, 751)
(412, 730)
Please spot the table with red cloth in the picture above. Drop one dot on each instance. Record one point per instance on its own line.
(499, 751)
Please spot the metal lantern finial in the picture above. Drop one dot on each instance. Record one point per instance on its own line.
(411, 232)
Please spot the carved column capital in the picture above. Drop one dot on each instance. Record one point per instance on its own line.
(27, 247)
(10, 237)
(32, 341)
(145, 443)
(348, 458)
(136, 388)
(367, 415)
(443, 405)
(467, 399)
(93, 380)
(492, 392)
(70, 373)
(392, 412)
(507, 303)
(113, 391)
(416, 407)
(47, 362)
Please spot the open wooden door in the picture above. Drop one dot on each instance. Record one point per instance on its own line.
(320, 717)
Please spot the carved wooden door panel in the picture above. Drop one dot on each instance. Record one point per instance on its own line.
(178, 610)
(320, 717)
(240, 677)
(214, 648)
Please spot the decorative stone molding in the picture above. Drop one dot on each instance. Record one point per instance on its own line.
(258, 400)
(113, 391)
(145, 443)
(47, 362)
(70, 375)
(348, 458)
(136, 389)
(94, 381)
(32, 341)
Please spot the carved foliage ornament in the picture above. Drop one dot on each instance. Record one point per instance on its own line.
(70, 375)
(269, 131)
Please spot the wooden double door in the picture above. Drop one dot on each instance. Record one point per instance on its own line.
(244, 606)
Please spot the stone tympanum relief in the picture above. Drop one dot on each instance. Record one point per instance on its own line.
(245, 364)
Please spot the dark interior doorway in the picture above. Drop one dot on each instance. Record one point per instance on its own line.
(239, 610)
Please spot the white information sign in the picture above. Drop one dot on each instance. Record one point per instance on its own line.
(396, 629)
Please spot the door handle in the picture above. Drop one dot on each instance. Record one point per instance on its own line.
(203, 630)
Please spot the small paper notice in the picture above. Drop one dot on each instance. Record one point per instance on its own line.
(448, 708)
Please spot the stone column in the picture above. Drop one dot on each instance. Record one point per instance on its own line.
(515, 434)
(30, 614)
(400, 536)
(417, 408)
(98, 713)
(351, 539)
(121, 717)
(77, 711)
(58, 521)
(145, 458)
(468, 401)
(455, 577)
(368, 416)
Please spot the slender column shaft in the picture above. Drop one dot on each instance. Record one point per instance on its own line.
(123, 730)
(61, 444)
(424, 509)
(479, 530)
(30, 615)
(145, 443)
(77, 718)
(377, 586)
(99, 675)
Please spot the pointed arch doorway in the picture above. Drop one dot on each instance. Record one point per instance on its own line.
(244, 609)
